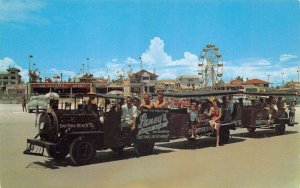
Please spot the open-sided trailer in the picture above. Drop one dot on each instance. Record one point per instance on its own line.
(179, 124)
(256, 116)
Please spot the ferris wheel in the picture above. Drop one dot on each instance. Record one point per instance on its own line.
(210, 66)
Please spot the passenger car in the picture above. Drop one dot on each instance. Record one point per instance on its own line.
(37, 103)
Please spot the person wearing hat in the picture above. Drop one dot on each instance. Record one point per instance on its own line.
(215, 113)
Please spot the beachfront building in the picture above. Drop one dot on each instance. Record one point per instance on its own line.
(167, 85)
(254, 85)
(188, 82)
(10, 77)
(10, 83)
(142, 82)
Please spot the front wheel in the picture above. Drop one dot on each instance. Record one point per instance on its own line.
(57, 154)
(82, 151)
(143, 147)
(251, 129)
(280, 129)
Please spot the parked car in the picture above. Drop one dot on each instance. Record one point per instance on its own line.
(37, 102)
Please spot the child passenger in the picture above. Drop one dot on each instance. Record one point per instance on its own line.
(193, 119)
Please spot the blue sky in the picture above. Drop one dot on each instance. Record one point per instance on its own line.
(255, 37)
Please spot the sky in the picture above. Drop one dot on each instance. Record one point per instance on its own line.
(256, 38)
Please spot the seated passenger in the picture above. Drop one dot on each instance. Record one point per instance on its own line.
(216, 113)
(129, 114)
(272, 109)
(146, 104)
(281, 105)
(160, 103)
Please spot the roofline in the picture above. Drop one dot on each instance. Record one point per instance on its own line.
(203, 93)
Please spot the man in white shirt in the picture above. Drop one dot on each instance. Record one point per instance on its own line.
(129, 114)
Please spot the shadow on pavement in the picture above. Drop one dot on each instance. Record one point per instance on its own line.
(262, 133)
(101, 157)
(50, 163)
(198, 144)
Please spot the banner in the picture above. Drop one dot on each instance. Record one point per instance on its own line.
(153, 124)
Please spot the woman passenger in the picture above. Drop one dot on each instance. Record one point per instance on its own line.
(215, 113)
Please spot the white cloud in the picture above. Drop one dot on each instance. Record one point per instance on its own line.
(7, 62)
(19, 10)
(287, 57)
(156, 53)
(249, 70)
(155, 57)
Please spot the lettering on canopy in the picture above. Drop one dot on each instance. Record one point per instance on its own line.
(61, 85)
(153, 124)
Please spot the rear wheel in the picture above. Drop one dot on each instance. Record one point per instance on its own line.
(118, 150)
(224, 135)
(82, 151)
(251, 129)
(143, 147)
(280, 129)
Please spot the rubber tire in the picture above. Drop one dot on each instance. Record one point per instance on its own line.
(82, 151)
(224, 135)
(118, 150)
(30, 111)
(280, 129)
(57, 155)
(251, 129)
(143, 148)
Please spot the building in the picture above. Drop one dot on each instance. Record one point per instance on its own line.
(167, 85)
(10, 77)
(142, 82)
(257, 83)
(294, 85)
(64, 89)
(10, 83)
(234, 85)
(188, 82)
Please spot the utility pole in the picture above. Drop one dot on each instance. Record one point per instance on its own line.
(82, 69)
(87, 65)
(269, 79)
(282, 78)
(29, 75)
(107, 81)
(298, 71)
(141, 80)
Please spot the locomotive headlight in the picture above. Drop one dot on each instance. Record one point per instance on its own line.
(42, 125)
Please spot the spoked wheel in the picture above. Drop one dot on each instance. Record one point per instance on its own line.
(251, 129)
(224, 135)
(280, 129)
(118, 150)
(143, 147)
(82, 151)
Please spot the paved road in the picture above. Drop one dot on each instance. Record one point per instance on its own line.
(249, 160)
